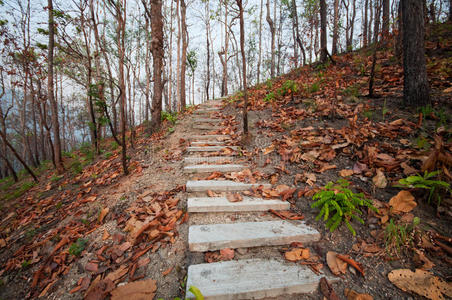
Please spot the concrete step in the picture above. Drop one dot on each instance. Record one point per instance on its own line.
(213, 168)
(251, 279)
(209, 143)
(208, 159)
(207, 120)
(222, 204)
(205, 127)
(213, 237)
(206, 137)
(209, 148)
(221, 186)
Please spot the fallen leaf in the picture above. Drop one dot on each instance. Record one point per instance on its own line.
(420, 282)
(351, 262)
(421, 260)
(102, 214)
(407, 170)
(359, 168)
(346, 173)
(92, 267)
(380, 180)
(352, 295)
(106, 235)
(327, 290)
(167, 271)
(2, 243)
(403, 202)
(297, 254)
(336, 265)
(144, 289)
(227, 254)
(234, 197)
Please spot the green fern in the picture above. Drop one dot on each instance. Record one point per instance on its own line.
(426, 182)
(338, 201)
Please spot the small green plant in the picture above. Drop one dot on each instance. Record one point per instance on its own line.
(59, 205)
(56, 178)
(289, 87)
(352, 90)
(25, 264)
(171, 130)
(77, 247)
(170, 117)
(195, 291)
(422, 142)
(114, 145)
(399, 236)
(29, 235)
(337, 204)
(313, 88)
(269, 97)
(427, 182)
(87, 151)
(108, 154)
(76, 166)
(22, 189)
(427, 111)
(384, 110)
(368, 114)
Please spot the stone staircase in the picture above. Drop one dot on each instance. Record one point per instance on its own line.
(251, 278)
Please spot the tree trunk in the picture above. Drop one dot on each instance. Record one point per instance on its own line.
(385, 28)
(51, 93)
(416, 88)
(207, 20)
(323, 50)
(297, 33)
(157, 54)
(272, 32)
(242, 50)
(259, 59)
(366, 8)
(183, 101)
(335, 27)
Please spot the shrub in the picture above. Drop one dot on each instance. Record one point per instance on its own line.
(76, 167)
(269, 97)
(170, 117)
(336, 200)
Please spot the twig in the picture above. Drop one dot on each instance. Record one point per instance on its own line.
(351, 262)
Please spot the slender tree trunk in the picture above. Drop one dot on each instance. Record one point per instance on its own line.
(335, 27)
(51, 93)
(170, 54)
(297, 33)
(272, 32)
(366, 8)
(385, 28)
(323, 50)
(352, 25)
(9, 167)
(259, 59)
(184, 54)
(178, 62)
(242, 50)
(157, 54)
(207, 20)
(416, 87)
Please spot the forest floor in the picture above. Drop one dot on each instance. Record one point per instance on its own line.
(80, 234)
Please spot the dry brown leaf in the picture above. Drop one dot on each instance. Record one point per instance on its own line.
(106, 235)
(352, 295)
(422, 260)
(297, 254)
(403, 202)
(380, 180)
(346, 173)
(420, 282)
(144, 289)
(234, 197)
(336, 265)
(102, 214)
(227, 254)
(407, 170)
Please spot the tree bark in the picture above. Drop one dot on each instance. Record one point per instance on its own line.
(259, 59)
(335, 27)
(242, 50)
(51, 93)
(323, 50)
(157, 54)
(385, 28)
(272, 32)
(366, 8)
(297, 33)
(416, 87)
(183, 101)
